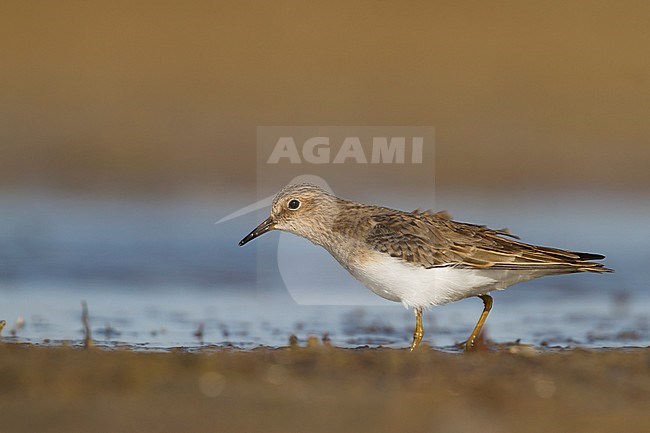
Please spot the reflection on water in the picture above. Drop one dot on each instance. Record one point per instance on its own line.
(152, 273)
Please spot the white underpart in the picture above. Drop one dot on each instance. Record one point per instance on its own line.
(419, 287)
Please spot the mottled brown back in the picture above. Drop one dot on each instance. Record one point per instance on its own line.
(433, 240)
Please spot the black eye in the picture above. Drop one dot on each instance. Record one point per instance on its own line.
(293, 204)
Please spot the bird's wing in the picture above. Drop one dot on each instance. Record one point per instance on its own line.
(430, 241)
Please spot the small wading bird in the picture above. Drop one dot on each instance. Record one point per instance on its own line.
(420, 259)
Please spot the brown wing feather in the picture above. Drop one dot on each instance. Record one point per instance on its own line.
(429, 240)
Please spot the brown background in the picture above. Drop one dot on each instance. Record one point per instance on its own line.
(145, 96)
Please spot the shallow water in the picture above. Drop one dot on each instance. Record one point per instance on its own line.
(152, 273)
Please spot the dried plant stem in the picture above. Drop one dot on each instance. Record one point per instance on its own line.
(88, 338)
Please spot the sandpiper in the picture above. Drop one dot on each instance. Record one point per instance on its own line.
(420, 259)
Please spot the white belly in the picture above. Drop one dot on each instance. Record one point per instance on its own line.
(418, 287)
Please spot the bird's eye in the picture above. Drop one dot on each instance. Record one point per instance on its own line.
(293, 204)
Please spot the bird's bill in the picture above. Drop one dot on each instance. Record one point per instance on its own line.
(266, 226)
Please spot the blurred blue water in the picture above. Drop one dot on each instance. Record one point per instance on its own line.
(152, 271)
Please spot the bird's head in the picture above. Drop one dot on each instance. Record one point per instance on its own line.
(302, 209)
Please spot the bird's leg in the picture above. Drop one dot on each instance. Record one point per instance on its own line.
(487, 306)
(419, 330)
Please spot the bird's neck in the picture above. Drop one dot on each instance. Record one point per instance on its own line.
(342, 228)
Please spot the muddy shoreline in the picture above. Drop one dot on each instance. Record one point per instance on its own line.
(323, 389)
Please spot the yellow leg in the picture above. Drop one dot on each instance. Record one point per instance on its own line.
(487, 306)
(419, 330)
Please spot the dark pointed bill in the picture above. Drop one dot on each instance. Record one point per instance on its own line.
(267, 225)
